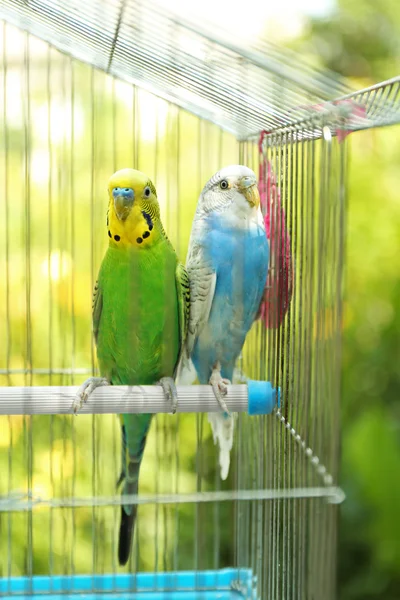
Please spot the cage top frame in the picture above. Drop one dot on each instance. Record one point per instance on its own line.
(197, 67)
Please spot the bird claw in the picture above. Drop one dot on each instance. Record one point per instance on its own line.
(219, 385)
(85, 390)
(169, 388)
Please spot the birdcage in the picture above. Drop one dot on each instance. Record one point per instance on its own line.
(84, 93)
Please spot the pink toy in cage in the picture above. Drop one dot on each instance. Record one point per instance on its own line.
(279, 287)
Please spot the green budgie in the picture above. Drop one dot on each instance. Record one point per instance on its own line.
(140, 317)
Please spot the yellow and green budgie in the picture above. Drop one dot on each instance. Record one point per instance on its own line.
(140, 315)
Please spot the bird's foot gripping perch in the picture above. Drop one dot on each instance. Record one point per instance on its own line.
(169, 388)
(219, 385)
(85, 390)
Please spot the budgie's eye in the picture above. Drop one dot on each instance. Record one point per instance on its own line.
(147, 191)
(224, 184)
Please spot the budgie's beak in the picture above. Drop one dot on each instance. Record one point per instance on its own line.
(248, 187)
(123, 201)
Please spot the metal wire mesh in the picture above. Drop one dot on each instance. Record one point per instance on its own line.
(197, 67)
(375, 106)
(297, 538)
(66, 127)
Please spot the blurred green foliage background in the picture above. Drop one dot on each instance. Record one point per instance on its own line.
(360, 41)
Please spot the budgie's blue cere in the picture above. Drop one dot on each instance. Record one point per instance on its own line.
(227, 265)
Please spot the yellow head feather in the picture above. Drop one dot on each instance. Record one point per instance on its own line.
(133, 217)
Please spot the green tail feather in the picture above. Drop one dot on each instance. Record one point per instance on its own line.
(134, 435)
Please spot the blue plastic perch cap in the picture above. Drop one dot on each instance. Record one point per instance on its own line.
(262, 397)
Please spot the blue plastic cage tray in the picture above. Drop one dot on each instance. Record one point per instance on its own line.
(226, 584)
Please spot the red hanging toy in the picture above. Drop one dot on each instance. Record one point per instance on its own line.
(279, 287)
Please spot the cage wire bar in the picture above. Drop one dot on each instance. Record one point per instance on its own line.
(269, 531)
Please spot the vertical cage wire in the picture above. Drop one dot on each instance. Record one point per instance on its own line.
(303, 357)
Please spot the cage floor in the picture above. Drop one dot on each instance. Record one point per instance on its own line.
(226, 584)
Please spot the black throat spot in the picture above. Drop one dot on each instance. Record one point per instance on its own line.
(148, 220)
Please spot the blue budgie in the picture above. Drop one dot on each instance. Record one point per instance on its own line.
(227, 265)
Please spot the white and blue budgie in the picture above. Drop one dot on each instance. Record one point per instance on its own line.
(227, 265)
